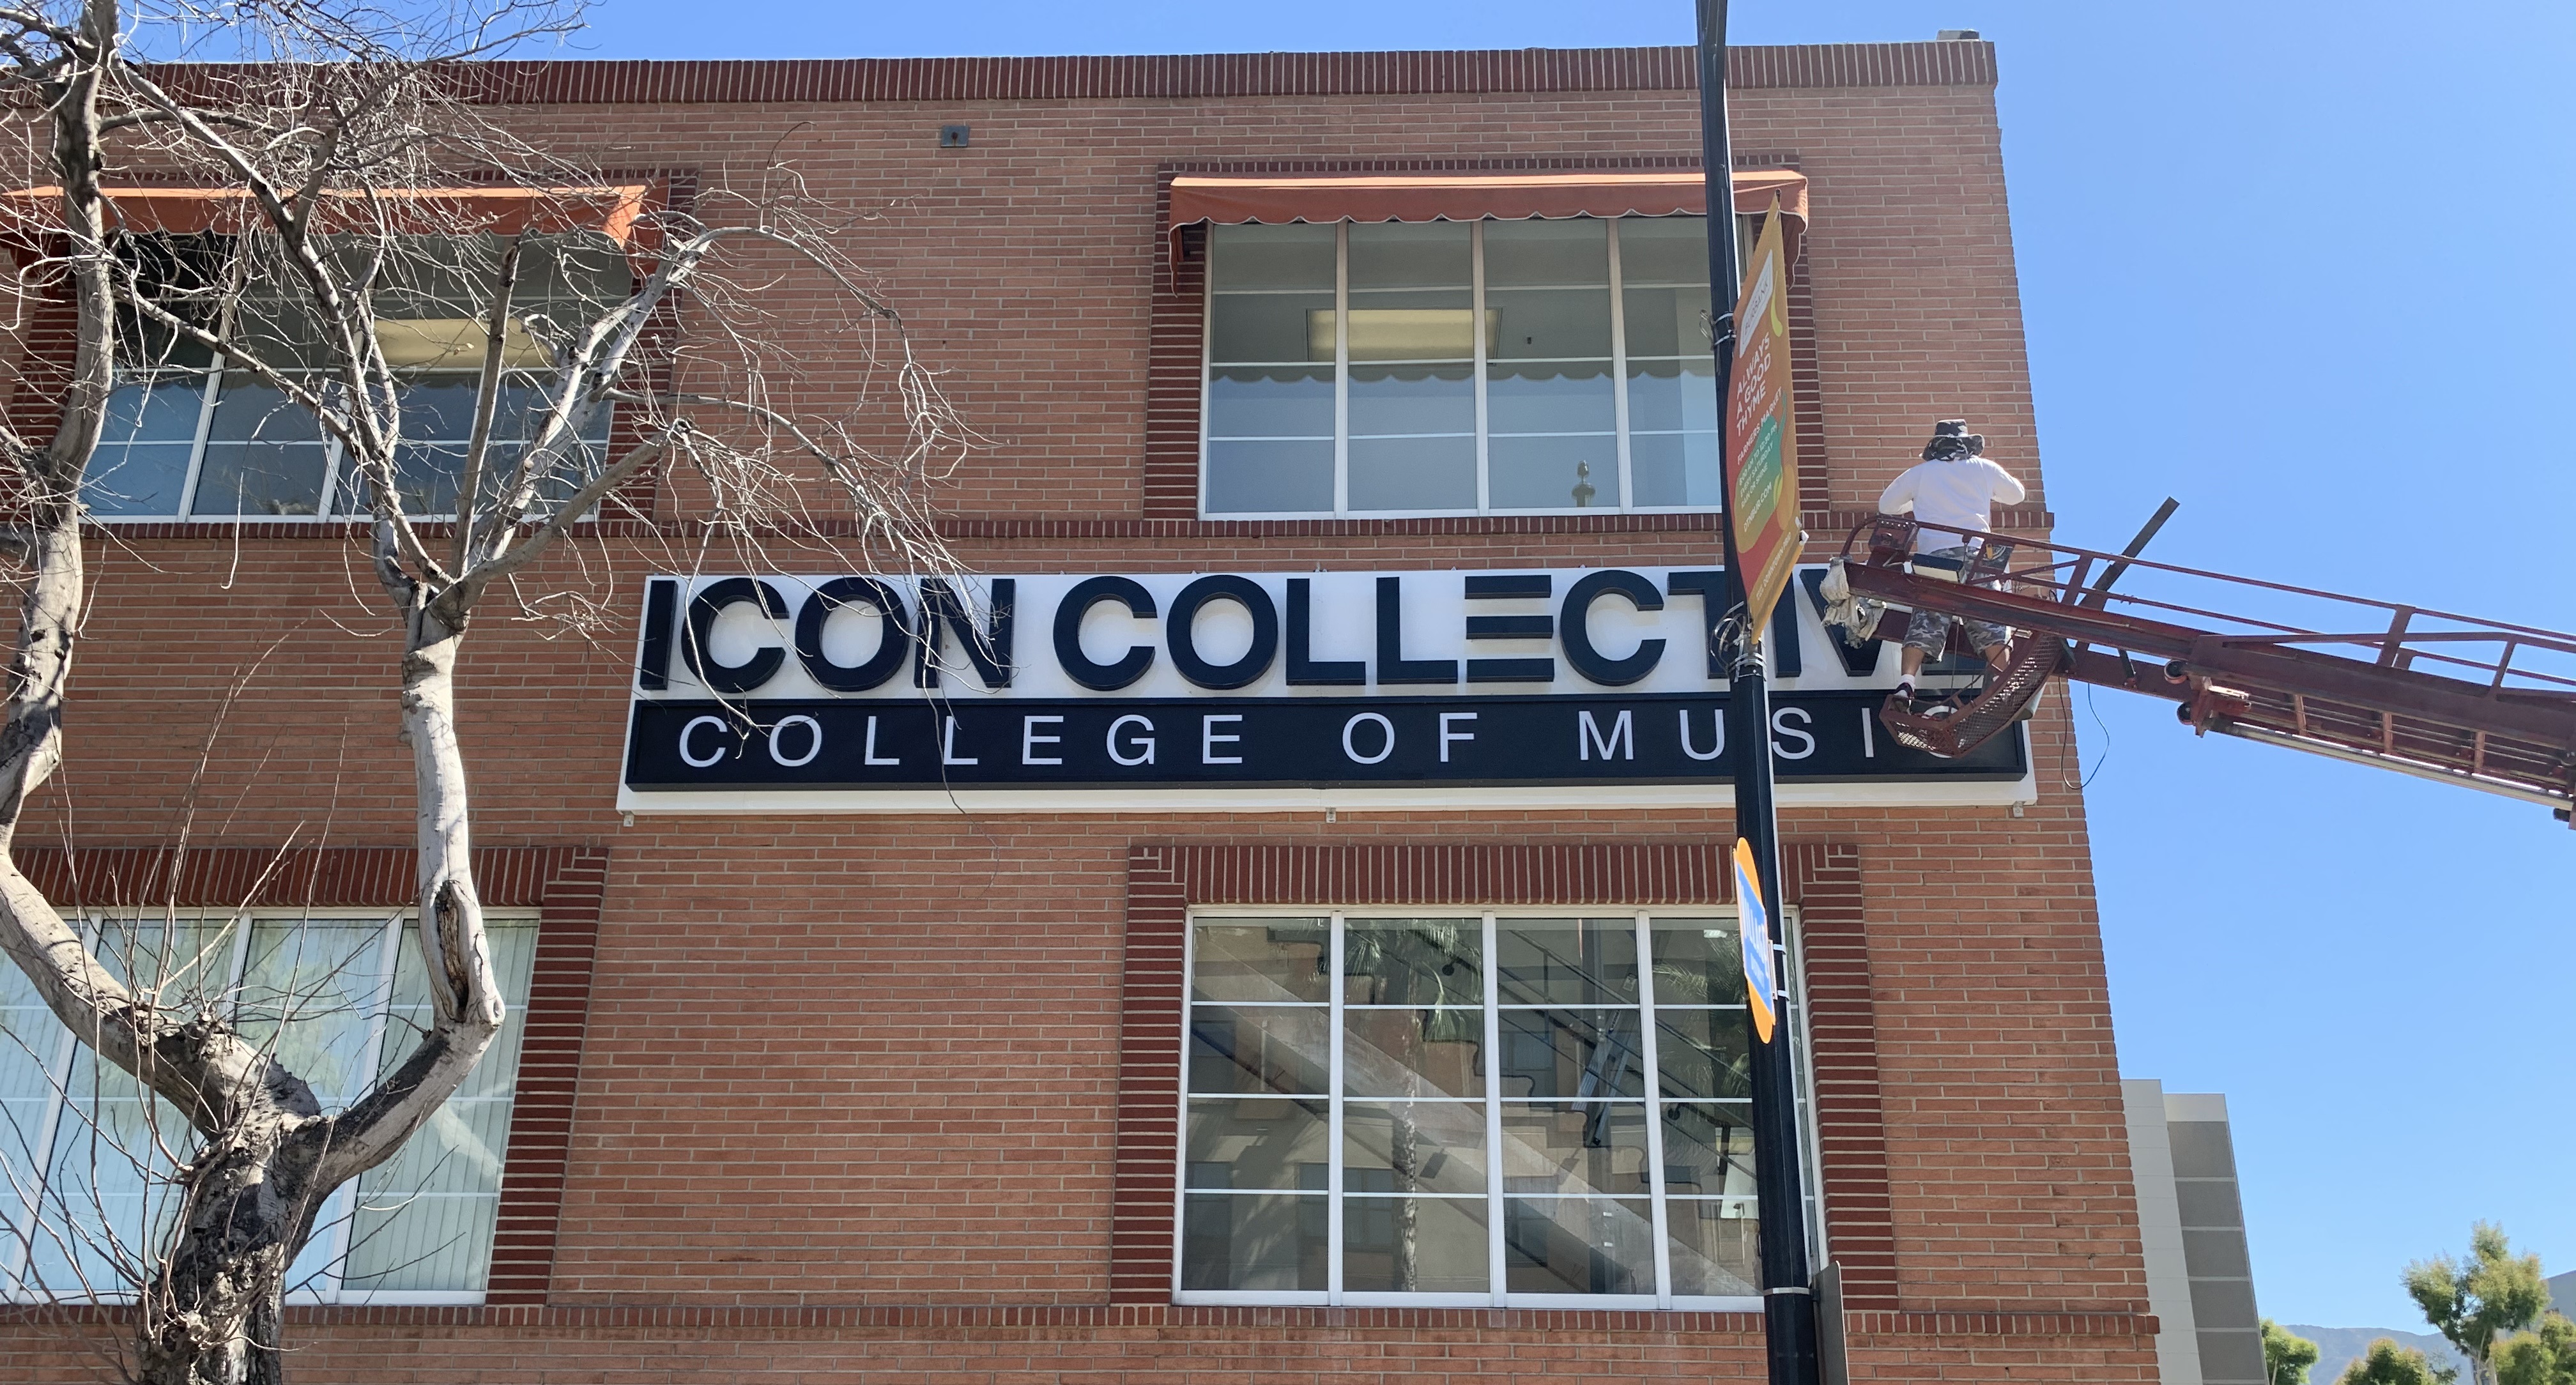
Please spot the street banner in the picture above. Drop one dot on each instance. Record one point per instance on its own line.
(1762, 457)
(1760, 985)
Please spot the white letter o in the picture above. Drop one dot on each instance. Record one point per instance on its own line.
(808, 757)
(1383, 725)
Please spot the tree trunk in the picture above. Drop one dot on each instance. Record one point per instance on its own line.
(212, 1314)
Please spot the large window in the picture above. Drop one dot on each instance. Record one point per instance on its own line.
(339, 1000)
(1508, 367)
(192, 434)
(1467, 1108)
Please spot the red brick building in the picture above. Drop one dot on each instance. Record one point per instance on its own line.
(1376, 1067)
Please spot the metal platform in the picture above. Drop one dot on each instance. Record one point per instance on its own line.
(2484, 704)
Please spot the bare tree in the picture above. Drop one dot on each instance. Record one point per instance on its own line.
(358, 211)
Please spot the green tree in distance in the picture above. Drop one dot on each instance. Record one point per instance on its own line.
(2390, 1364)
(2287, 1355)
(2546, 1355)
(2474, 1303)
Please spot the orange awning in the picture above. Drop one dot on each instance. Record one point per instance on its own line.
(614, 211)
(1227, 199)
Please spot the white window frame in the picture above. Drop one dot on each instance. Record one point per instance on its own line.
(1663, 1299)
(337, 1214)
(1341, 391)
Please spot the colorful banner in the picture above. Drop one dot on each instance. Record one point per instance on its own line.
(1762, 453)
(1761, 987)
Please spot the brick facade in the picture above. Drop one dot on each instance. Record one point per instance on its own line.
(820, 1097)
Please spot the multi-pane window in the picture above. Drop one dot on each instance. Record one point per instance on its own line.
(1467, 1108)
(1459, 367)
(339, 1001)
(194, 434)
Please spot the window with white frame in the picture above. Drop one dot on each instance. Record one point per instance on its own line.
(194, 434)
(1459, 367)
(339, 1001)
(1467, 1108)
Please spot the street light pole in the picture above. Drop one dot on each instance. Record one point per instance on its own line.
(1788, 1303)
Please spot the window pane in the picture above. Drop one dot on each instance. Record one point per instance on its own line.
(1571, 1053)
(140, 479)
(1415, 1245)
(1415, 325)
(1271, 402)
(1250, 478)
(1414, 1147)
(1697, 962)
(424, 1218)
(1262, 1242)
(107, 1196)
(1257, 1051)
(1413, 473)
(309, 991)
(1572, 251)
(1270, 257)
(1705, 1053)
(263, 454)
(1411, 255)
(1566, 961)
(1413, 1052)
(144, 447)
(1708, 1149)
(1715, 1247)
(1575, 1147)
(1534, 324)
(1409, 399)
(1578, 1245)
(31, 1039)
(1413, 961)
(1675, 469)
(1663, 250)
(426, 478)
(1570, 473)
(1554, 397)
(439, 408)
(1667, 322)
(1257, 1143)
(1673, 396)
(1262, 960)
(1271, 327)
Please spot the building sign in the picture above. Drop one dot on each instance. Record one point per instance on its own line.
(1166, 691)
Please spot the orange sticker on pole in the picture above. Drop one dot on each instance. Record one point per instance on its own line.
(1762, 435)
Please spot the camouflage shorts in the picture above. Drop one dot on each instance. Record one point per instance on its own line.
(1929, 631)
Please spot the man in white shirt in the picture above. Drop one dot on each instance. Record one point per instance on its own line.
(1954, 489)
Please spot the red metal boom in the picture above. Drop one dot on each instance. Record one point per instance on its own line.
(2480, 703)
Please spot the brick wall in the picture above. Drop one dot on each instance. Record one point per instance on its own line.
(848, 1087)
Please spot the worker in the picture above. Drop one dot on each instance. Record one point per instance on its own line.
(1952, 493)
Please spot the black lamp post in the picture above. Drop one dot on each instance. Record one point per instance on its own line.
(1788, 1302)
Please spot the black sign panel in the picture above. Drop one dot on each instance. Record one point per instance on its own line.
(1296, 742)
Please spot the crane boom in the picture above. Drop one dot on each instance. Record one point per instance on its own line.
(2484, 704)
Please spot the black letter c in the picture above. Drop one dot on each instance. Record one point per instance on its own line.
(1573, 627)
(703, 610)
(1077, 603)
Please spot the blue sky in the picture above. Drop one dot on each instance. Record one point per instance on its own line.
(2304, 267)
